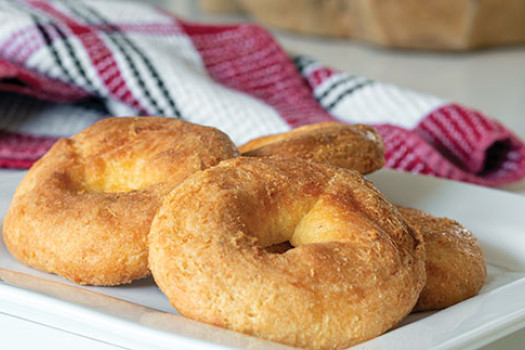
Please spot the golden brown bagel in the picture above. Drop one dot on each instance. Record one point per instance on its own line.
(357, 147)
(455, 264)
(356, 269)
(84, 210)
(448, 244)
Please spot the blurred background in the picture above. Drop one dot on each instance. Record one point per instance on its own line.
(466, 51)
(490, 78)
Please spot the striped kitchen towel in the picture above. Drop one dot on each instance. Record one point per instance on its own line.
(65, 64)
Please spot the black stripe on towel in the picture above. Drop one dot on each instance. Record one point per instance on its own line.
(122, 41)
(49, 45)
(74, 8)
(74, 57)
(348, 92)
(332, 87)
(301, 62)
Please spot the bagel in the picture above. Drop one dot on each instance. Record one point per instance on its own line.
(455, 265)
(84, 210)
(355, 269)
(357, 147)
(456, 268)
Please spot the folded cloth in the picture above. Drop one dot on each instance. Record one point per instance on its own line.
(65, 64)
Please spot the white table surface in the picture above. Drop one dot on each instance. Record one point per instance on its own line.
(492, 81)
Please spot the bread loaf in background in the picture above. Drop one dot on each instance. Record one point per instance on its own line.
(220, 6)
(411, 24)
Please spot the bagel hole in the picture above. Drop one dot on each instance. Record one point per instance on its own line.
(279, 248)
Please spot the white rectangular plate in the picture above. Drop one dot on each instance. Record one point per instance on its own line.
(138, 315)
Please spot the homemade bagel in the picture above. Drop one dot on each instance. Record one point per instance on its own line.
(356, 268)
(357, 147)
(84, 210)
(456, 268)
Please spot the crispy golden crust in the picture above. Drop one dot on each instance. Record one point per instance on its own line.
(84, 210)
(456, 267)
(356, 147)
(356, 269)
(455, 264)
